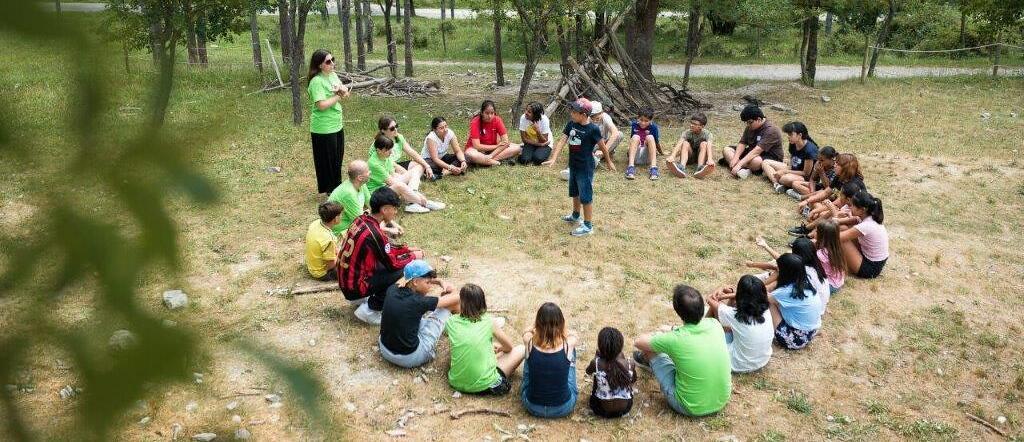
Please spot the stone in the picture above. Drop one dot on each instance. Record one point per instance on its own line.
(825, 98)
(1013, 115)
(68, 392)
(272, 398)
(231, 406)
(350, 407)
(204, 437)
(779, 107)
(236, 419)
(728, 438)
(122, 340)
(242, 434)
(398, 432)
(274, 169)
(192, 407)
(175, 299)
(456, 395)
(175, 431)
(737, 107)
(145, 421)
(986, 115)
(1001, 420)
(197, 377)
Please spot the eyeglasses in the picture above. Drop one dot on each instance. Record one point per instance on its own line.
(395, 127)
(329, 61)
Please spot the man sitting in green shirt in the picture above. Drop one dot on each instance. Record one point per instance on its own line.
(691, 362)
(353, 202)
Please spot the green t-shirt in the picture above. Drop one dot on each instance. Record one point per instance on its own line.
(327, 121)
(703, 370)
(473, 367)
(380, 169)
(352, 204)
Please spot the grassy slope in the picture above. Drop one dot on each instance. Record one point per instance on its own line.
(903, 356)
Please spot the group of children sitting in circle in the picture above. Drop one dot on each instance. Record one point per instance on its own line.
(731, 330)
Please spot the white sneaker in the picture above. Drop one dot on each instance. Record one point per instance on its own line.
(779, 188)
(564, 175)
(794, 194)
(743, 174)
(435, 205)
(366, 315)
(416, 208)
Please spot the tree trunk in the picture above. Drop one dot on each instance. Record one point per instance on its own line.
(297, 24)
(963, 29)
(412, 8)
(443, 11)
(389, 34)
(156, 46)
(692, 39)
(524, 86)
(883, 36)
(254, 32)
(811, 63)
(451, 8)
(580, 35)
(190, 33)
(398, 10)
(802, 54)
(57, 6)
(599, 23)
(286, 41)
(201, 41)
(564, 48)
(444, 33)
(829, 18)
(640, 27)
(344, 6)
(360, 37)
(407, 30)
(719, 25)
(499, 71)
(368, 26)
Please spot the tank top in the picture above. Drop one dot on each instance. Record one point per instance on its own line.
(549, 377)
(442, 146)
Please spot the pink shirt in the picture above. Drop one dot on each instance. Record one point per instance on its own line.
(836, 279)
(874, 243)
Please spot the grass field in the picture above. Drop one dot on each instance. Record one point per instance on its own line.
(901, 357)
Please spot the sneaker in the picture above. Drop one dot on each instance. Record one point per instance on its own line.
(794, 194)
(743, 174)
(582, 230)
(564, 174)
(630, 172)
(641, 360)
(366, 315)
(435, 205)
(677, 169)
(654, 173)
(704, 171)
(572, 219)
(800, 230)
(416, 208)
(806, 212)
(779, 188)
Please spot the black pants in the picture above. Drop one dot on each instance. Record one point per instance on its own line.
(381, 280)
(328, 155)
(449, 158)
(534, 154)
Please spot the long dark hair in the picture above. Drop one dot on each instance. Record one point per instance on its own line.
(828, 239)
(751, 300)
(805, 249)
(609, 347)
(472, 303)
(549, 327)
(792, 272)
(486, 104)
(870, 204)
(436, 122)
(315, 61)
(797, 127)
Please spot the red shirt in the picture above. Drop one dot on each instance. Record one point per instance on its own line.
(366, 250)
(487, 133)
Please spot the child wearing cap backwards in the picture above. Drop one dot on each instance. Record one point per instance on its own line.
(407, 338)
(693, 147)
(582, 135)
(609, 132)
(643, 144)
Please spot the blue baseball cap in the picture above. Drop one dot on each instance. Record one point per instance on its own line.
(417, 269)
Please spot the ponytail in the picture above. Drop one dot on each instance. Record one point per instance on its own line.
(870, 204)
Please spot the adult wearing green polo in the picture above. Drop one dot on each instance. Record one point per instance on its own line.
(352, 195)
(325, 120)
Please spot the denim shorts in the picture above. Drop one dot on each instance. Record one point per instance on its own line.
(581, 184)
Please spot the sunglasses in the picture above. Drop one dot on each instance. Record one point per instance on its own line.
(329, 61)
(395, 127)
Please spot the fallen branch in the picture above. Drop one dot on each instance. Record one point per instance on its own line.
(987, 424)
(245, 393)
(293, 291)
(460, 414)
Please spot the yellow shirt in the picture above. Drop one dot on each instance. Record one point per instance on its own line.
(321, 246)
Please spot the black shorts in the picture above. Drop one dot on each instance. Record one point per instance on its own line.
(870, 269)
(502, 387)
(449, 158)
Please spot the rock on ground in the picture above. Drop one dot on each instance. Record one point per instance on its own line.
(175, 299)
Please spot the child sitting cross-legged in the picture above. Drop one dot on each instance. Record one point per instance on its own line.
(614, 376)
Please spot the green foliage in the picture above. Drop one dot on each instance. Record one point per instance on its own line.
(797, 401)
(130, 21)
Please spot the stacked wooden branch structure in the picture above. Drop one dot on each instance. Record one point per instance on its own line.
(623, 91)
(389, 87)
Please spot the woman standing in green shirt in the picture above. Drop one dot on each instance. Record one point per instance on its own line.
(475, 367)
(325, 120)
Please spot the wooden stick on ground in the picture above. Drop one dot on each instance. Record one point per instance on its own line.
(459, 414)
(315, 289)
(987, 424)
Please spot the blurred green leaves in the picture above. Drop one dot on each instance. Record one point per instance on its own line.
(102, 228)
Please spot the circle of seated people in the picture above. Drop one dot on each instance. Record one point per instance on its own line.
(731, 330)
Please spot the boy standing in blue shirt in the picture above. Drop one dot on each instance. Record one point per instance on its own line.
(582, 135)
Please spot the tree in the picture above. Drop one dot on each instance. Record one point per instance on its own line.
(390, 35)
(344, 15)
(298, 12)
(693, 31)
(498, 13)
(282, 21)
(407, 33)
(360, 39)
(368, 26)
(254, 32)
(534, 16)
(809, 41)
(640, 27)
(883, 36)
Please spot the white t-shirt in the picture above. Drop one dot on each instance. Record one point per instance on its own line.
(442, 146)
(544, 125)
(821, 288)
(751, 345)
(606, 125)
(874, 240)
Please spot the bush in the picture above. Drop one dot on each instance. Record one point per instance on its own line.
(842, 42)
